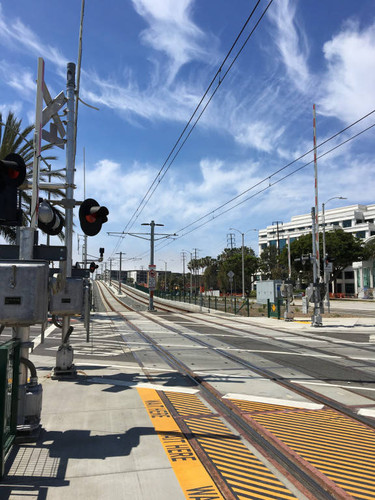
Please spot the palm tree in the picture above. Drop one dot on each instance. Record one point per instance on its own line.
(13, 140)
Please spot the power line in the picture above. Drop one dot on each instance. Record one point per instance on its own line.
(159, 177)
(285, 167)
(215, 216)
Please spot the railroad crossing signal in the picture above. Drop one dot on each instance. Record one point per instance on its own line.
(12, 175)
(50, 221)
(92, 216)
(93, 267)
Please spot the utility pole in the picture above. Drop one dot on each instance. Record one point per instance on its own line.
(316, 319)
(196, 273)
(151, 266)
(165, 274)
(183, 255)
(243, 258)
(316, 210)
(152, 224)
(277, 222)
(119, 277)
(191, 271)
(231, 240)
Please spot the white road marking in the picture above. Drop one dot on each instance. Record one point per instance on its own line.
(144, 385)
(336, 385)
(38, 339)
(367, 412)
(274, 401)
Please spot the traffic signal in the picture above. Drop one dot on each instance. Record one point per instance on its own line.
(101, 253)
(50, 221)
(93, 267)
(92, 216)
(12, 175)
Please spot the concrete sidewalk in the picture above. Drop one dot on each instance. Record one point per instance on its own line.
(354, 324)
(97, 440)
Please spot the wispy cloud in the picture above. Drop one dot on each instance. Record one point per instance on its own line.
(291, 42)
(19, 37)
(172, 31)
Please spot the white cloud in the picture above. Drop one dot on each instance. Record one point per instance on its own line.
(15, 107)
(348, 86)
(157, 103)
(18, 36)
(260, 135)
(172, 31)
(291, 42)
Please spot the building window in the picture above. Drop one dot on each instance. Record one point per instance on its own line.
(336, 223)
(349, 275)
(372, 233)
(366, 277)
(349, 288)
(360, 234)
(272, 243)
(263, 246)
(347, 223)
(282, 243)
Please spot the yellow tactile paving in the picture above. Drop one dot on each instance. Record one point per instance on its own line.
(191, 474)
(246, 476)
(339, 447)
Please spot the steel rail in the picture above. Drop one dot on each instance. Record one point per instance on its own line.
(307, 476)
(288, 384)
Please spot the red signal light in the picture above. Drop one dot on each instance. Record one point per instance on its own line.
(92, 216)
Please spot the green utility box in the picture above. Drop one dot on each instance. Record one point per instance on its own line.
(9, 373)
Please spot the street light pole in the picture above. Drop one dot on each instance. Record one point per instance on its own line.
(191, 272)
(165, 274)
(243, 258)
(325, 273)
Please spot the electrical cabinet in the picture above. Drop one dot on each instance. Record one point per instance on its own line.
(69, 300)
(23, 292)
(268, 290)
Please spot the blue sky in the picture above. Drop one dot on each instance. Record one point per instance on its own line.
(147, 63)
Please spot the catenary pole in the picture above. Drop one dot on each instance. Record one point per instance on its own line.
(316, 199)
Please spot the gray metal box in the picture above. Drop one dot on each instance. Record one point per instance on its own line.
(269, 289)
(23, 292)
(69, 300)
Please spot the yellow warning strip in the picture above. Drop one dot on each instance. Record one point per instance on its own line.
(190, 472)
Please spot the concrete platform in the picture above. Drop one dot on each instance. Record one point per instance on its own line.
(97, 441)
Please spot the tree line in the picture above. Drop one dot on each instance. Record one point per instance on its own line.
(212, 273)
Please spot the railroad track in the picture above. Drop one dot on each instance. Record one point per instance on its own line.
(311, 477)
(238, 325)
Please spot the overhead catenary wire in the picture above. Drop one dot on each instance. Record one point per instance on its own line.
(268, 177)
(182, 231)
(164, 169)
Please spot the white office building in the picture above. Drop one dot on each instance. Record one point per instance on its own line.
(359, 220)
